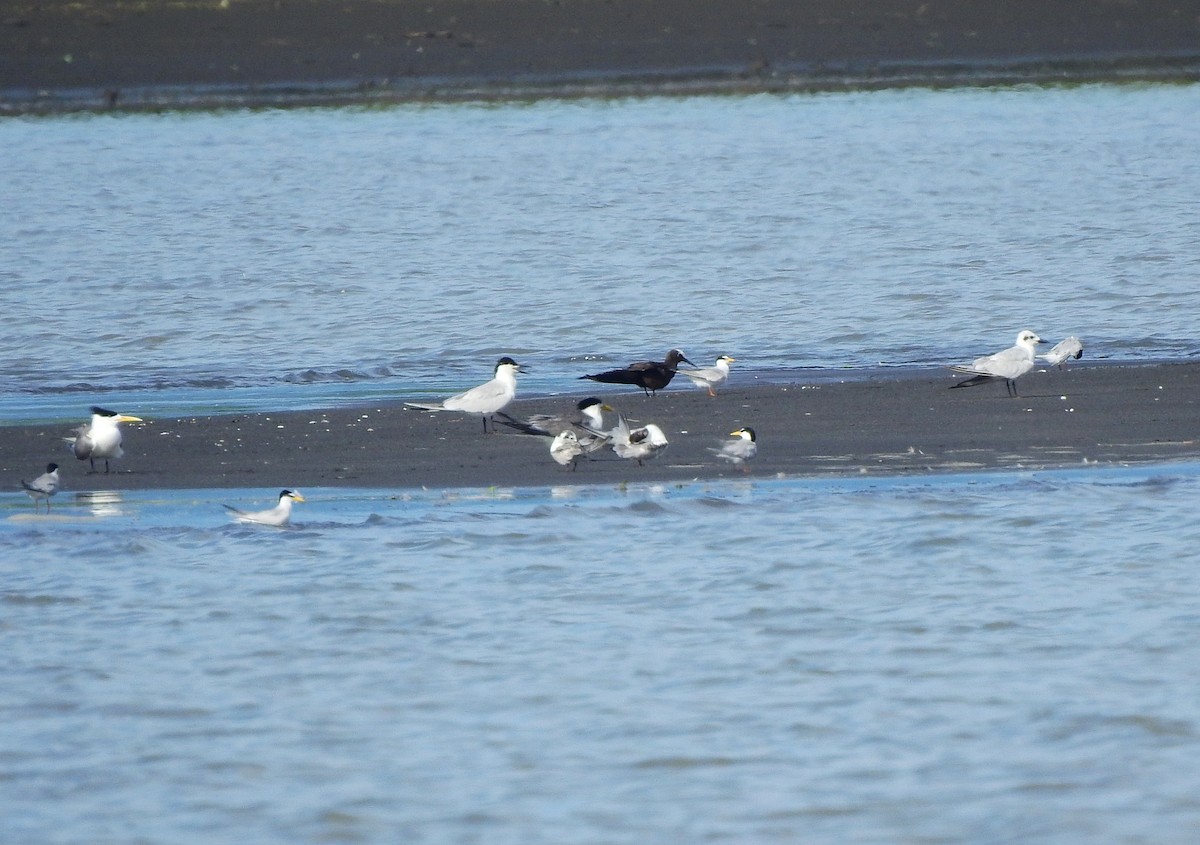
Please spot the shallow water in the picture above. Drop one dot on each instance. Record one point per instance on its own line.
(186, 262)
(980, 658)
(972, 658)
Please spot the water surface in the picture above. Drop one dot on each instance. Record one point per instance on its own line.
(190, 261)
(971, 659)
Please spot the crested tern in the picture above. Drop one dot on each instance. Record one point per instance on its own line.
(639, 444)
(276, 516)
(586, 422)
(740, 449)
(486, 399)
(565, 449)
(42, 487)
(1010, 364)
(710, 377)
(101, 438)
(1071, 347)
(650, 376)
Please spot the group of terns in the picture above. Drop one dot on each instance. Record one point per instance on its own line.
(100, 440)
(573, 436)
(581, 432)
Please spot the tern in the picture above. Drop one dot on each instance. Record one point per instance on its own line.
(650, 376)
(711, 377)
(486, 399)
(640, 444)
(586, 422)
(276, 516)
(740, 449)
(1009, 365)
(101, 438)
(1058, 355)
(565, 449)
(42, 487)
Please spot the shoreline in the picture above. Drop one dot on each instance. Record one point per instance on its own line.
(907, 424)
(60, 56)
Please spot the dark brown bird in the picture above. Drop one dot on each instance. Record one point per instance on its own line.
(650, 376)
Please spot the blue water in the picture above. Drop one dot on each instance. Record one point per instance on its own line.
(972, 658)
(316, 256)
(965, 659)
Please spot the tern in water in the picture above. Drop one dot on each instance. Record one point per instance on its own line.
(1058, 355)
(1009, 365)
(586, 422)
(740, 449)
(277, 516)
(639, 444)
(710, 377)
(565, 449)
(650, 376)
(42, 487)
(101, 438)
(487, 398)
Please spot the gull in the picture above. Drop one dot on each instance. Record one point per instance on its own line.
(1009, 365)
(101, 438)
(42, 487)
(1072, 347)
(740, 449)
(277, 516)
(650, 376)
(586, 422)
(640, 444)
(710, 377)
(565, 449)
(486, 399)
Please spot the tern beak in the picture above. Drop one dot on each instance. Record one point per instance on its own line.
(127, 418)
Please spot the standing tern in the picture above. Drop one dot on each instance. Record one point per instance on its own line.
(711, 377)
(650, 376)
(1009, 365)
(42, 487)
(586, 422)
(276, 516)
(740, 449)
(1058, 355)
(486, 399)
(565, 449)
(640, 444)
(101, 438)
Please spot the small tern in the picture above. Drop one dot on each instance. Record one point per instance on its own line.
(42, 487)
(1058, 355)
(712, 377)
(565, 449)
(586, 422)
(650, 376)
(640, 444)
(1009, 365)
(101, 438)
(486, 399)
(740, 449)
(276, 516)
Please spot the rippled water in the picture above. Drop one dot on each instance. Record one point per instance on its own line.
(186, 261)
(982, 658)
(967, 659)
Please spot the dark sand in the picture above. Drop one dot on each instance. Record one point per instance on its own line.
(59, 55)
(73, 54)
(909, 424)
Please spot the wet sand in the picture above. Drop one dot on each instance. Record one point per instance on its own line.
(58, 55)
(910, 423)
